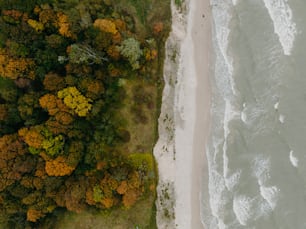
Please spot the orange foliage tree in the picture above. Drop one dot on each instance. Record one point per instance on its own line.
(94, 88)
(64, 26)
(13, 160)
(158, 28)
(129, 198)
(53, 82)
(32, 137)
(3, 112)
(113, 52)
(106, 25)
(58, 167)
(15, 14)
(74, 196)
(33, 215)
(53, 104)
(13, 68)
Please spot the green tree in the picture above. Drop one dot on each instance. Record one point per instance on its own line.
(130, 49)
(83, 54)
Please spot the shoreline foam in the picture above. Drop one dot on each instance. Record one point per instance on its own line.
(284, 26)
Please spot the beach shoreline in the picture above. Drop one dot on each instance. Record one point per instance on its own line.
(180, 149)
(202, 40)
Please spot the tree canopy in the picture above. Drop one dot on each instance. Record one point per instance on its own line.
(65, 116)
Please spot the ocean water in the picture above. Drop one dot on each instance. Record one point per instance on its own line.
(257, 147)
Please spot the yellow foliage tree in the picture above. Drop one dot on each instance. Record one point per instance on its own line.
(38, 26)
(106, 25)
(75, 100)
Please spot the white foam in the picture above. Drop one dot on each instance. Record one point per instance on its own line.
(281, 118)
(222, 15)
(234, 2)
(294, 161)
(281, 15)
(261, 169)
(243, 116)
(270, 194)
(242, 206)
(230, 113)
(249, 209)
(276, 106)
(216, 188)
(232, 180)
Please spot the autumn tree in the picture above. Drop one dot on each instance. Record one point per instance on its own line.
(13, 160)
(40, 139)
(27, 104)
(93, 88)
(106, 25)
(75, 193)
(13, 68)
(64, 26)
(113, 52)
(75, 100)
(53, 82)
(16, 15)
(58, 127)
(129, 198)
(3, 112)
(150, 54)
(53, 104)
(36, 25)
(33, 215)
(158, 27)
(47, 16)
(58, 166)
(23, 82)
(32, 136)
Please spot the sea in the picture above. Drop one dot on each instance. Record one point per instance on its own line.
(256, 151)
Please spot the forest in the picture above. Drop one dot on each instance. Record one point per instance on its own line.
(80, 93)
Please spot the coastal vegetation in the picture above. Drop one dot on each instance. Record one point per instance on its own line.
(80, 93)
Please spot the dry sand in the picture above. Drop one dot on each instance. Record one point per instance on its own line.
(183, 123)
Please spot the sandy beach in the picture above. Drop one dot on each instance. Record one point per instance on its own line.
(202, 42)
(183, 123)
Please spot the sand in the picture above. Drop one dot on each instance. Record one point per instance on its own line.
(202, 41)
(183, 123)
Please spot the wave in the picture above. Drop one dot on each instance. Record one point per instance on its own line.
(224, 110)
(281, 15)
